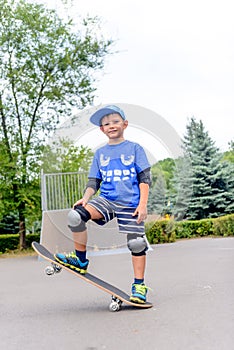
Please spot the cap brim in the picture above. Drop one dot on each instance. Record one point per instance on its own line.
(97, 116)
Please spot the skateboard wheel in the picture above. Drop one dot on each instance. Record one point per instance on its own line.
(114, 306)
(49, 270)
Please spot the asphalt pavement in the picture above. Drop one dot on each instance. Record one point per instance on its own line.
(192, 284)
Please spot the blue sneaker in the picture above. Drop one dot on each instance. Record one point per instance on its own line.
(139, 292)
(72, 261)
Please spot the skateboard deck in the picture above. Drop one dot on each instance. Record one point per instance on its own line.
(118, 296)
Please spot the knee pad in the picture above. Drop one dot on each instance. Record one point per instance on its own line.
(77, 219)
(137, 244)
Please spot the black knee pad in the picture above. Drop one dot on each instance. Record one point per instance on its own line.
(77, 219)
(84, 214)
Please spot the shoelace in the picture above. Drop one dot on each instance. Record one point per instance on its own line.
(71, 255)
(140, 288)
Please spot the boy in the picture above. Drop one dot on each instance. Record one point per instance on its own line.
(121, 171)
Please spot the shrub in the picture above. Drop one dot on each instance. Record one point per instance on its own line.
(224, 226)
(194, 228)
(163, 231)
(11, 242)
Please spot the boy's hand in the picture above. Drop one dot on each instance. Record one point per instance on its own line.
(81, 201)
(89, 192)
(141, 212)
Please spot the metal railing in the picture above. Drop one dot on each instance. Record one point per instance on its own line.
(62, 190)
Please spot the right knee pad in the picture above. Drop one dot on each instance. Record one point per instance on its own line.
(137, 244)
(77, 219)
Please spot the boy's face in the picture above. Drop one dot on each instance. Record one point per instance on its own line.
(113, 126)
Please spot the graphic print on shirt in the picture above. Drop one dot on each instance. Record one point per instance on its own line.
(127, 161)
(124, 173)
(104, 161)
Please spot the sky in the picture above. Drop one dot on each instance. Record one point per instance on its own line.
(175, 57)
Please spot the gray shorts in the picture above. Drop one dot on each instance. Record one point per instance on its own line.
(126, 222)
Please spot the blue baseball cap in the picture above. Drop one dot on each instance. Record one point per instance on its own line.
(110, 109)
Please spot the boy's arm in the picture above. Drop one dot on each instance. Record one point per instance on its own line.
(144, 179)
(89, 192)
(141, 209)
(92, 187)
(144, 194)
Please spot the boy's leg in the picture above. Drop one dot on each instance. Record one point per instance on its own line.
(139, 263)
(98, 209)
(138, 247)
(77, 219)
(80, 244)
(139, 290)
(80, 240)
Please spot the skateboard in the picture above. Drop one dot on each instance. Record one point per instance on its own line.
(117, 295)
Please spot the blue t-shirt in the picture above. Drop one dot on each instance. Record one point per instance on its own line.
(117, 166)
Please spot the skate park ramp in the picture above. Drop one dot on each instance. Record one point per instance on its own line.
(57, 237)
(58, 192)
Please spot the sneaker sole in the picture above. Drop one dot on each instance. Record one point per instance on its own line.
(137, 300)
(81, 271)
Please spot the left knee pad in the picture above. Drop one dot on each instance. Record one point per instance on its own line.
(137, 244)
(77, 219)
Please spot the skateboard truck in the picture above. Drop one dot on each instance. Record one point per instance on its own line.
(53, 269)
(115, 304)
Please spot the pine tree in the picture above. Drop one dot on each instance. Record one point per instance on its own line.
(224, 179)
(157, 196)
(212, 185)
(182, 185)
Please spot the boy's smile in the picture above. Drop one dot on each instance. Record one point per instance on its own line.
(113, 127)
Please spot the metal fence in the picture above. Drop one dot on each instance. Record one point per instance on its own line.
(62, 190)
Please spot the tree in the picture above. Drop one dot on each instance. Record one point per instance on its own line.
(229, 155)
(47, 67)
(165, 167)
(182, 187)
(212, 180)
(160, 189)
(157, 196)
(65, 157)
